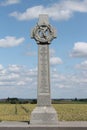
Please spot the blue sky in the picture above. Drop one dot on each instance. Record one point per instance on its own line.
(19, 53)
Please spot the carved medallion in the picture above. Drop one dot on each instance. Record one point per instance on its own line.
(43, 33)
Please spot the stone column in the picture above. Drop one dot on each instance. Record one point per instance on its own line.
(44, 113)
(43, 76)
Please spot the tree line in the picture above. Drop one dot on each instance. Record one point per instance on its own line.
(34, 101)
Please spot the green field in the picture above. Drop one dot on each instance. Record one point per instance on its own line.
(22, 112)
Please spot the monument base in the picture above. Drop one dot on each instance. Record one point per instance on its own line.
(44, 115)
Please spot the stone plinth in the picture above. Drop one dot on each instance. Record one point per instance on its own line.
(44, 116)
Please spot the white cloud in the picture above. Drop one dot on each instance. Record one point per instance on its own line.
(14, 68)
(22, 82)
(82, 66)
(80, 49)
(55, 61)
(72, 81)
(1, 67)
(10, 41)
(13, 76)
(17, 73)
(58, 11)
(76, 5)
(9, 2)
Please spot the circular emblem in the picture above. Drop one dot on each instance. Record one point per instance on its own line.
(43, 34)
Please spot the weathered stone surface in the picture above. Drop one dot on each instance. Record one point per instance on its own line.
(43, 32)
(44, 113)
(70, 125)
(43, 76)
(44, 116)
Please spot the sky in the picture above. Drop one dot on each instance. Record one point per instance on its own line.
(19, 53)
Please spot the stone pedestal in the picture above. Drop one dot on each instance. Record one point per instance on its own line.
(44, 116)
(44, 113)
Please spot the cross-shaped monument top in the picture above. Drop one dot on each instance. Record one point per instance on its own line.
(43, 32)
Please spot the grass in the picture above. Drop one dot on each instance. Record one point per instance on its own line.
(71, 112)
(22, 112)
(15, 112)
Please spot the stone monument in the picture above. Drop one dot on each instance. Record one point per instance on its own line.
(44, 113)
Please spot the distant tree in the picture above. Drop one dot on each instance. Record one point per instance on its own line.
(76, 99)
(33, 101)
(12, 100)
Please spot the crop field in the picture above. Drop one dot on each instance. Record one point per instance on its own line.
(22, 112)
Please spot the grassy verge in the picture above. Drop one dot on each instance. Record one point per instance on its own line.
(22, 112)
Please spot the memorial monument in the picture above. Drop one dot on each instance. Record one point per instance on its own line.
(44, 113)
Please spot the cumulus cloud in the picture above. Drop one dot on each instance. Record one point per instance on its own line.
(80, 49)
(62, 10)
(9, 2)
(82, 66)
(22, 82)
(14, 68)
(16, 75)
(11, 41)
(69, 80)
(55, 61)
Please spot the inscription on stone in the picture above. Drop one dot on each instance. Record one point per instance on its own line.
(44, 69)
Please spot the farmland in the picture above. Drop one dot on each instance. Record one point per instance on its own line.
(22, 112)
